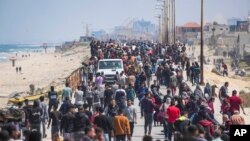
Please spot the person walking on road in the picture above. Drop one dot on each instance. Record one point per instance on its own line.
(67, 123)
(67, 92)
(55, 117)
(53, 98)
(173, 83)
(235, 103)
(81, 121)
(130, 112)
(78, 96)
(223, 92)
(45, 115)
(35, 115)
(102, 121)
(173, 113)
(121, 97)
(148, 109)
(121, 127)
(108, 95)
(130, 93)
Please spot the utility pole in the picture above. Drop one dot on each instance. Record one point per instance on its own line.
(174, 26)
(159, 30)
(170, 21)
(248, 21)
(201, 53)
(87, 30)
(160, 38)
(167, 21)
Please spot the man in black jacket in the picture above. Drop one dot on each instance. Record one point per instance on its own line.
(67, 123)
(35, 115)
(108, 95)
(103, 122)
(80, 123)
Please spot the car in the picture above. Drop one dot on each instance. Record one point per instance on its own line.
(109, 67)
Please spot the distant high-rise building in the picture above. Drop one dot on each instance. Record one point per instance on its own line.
(233, 21)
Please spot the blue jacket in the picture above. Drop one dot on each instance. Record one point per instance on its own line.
(142, 91)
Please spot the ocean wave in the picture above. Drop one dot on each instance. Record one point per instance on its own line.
(3, 58)
(19, 48)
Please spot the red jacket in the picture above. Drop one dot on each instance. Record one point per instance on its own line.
(209, 125)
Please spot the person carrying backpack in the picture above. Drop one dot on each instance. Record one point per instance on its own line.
(35, 117)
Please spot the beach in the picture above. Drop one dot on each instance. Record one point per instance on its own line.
(41, 69)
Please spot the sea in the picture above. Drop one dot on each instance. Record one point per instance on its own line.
(8, 50)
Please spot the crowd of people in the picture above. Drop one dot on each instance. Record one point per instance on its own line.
(99, 111)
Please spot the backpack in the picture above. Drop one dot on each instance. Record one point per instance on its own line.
(35, 116)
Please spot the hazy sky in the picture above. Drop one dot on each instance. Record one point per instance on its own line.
(37, 21)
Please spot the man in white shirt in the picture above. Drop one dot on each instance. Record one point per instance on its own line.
(79, 96)
(121, 97)
(123, 78)
(130, 112)
(101, 90)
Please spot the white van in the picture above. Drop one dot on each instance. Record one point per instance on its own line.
(109, 67)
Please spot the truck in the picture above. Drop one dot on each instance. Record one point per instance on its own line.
(109, 67)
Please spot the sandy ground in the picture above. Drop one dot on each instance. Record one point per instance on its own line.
(40, 69)
(212, 78)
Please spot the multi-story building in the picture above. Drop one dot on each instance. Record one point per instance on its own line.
(188, 33)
